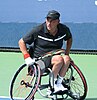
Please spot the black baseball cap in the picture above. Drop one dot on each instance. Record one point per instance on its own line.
(53, 15)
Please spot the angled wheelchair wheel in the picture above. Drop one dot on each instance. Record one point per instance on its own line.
(76, 82)
(25, 82)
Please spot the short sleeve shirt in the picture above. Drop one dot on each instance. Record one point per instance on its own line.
(44, 41)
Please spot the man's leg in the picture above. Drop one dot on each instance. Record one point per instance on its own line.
(63, 69)
(58, 63)
(65, 66)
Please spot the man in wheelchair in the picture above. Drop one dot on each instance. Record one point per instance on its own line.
(47, 37)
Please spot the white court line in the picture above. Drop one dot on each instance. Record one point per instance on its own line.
(6, 97)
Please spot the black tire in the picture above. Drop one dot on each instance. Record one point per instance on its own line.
(25, 82)
(78, 83)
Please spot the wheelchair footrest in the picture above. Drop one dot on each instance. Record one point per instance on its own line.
(41, 87)
(61, 92)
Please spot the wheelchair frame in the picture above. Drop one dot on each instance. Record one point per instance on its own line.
(28, 79)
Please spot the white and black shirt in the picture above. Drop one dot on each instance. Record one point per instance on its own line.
(44, 41)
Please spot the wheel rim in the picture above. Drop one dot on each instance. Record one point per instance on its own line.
(78, 84)
(22, 84)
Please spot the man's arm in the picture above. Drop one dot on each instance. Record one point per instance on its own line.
(22, 46)
(68, 46)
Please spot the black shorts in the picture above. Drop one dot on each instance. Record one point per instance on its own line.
(47, 61)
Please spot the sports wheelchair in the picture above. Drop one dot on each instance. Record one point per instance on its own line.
(31, 79)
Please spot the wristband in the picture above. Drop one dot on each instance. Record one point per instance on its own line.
(26, 55)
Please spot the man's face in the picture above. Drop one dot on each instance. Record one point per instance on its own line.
(51, 24)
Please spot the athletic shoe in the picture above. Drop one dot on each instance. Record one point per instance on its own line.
(59, 88)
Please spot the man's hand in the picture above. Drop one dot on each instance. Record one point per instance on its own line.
(28, 60)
